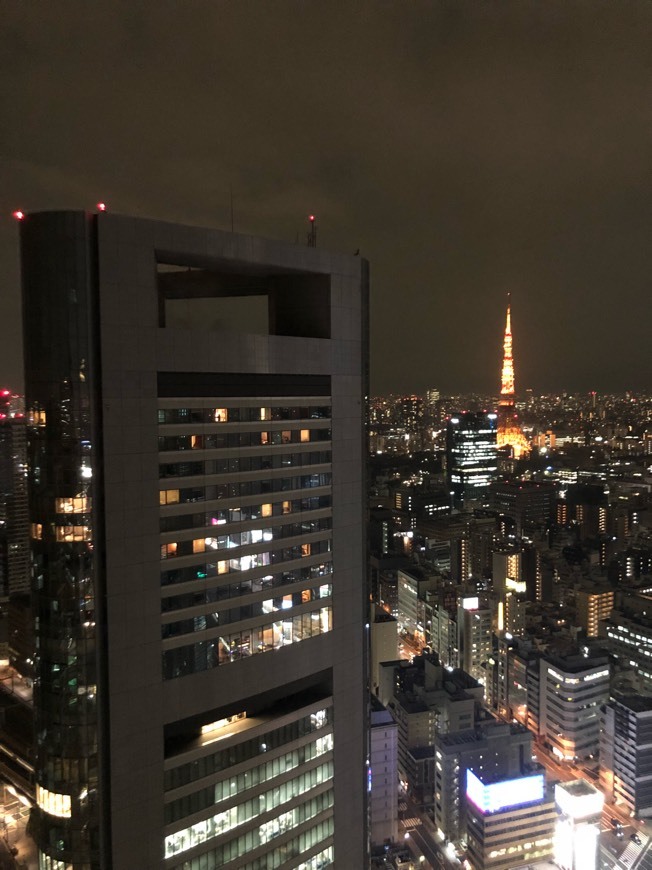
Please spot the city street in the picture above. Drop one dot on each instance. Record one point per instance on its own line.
(423, 834)
(556, 771)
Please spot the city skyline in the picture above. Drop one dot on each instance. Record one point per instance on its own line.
(467, 150)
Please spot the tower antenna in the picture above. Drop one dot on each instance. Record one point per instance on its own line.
(312, 232)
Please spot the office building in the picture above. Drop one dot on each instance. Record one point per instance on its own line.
(494, 748)
(594, 605)
(14, 530)
(571, 689)
(14, 537)
(383, 776)
(196, 498)
(512, 612)
(426, 699)
(441, 628)
(577, 831)
(471, 457)
(510, 822)
(412, 587)
(626, 753)
(474, 636)
(506, 566)
(527, 505)
(628, 636)
(383, 642)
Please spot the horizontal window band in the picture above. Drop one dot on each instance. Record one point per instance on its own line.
(235, 384)
(230, 577)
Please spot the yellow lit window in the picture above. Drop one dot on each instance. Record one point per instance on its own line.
(221, 415)
(222, 723)
(168, 496)
(222, 567)
(265, 413)
(198, 545)
(76, 505)
(37, 531)
(305, 435)
(286, 436)
(69, 534)
(264, 437)
(287, 507)
(168, 550)
(266, 510)
(54, 804)
(305, 549)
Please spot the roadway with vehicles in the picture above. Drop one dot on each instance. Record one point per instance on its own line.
(423, 837)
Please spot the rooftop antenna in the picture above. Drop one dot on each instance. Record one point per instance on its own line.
(312, 232)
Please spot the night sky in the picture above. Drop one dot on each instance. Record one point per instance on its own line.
(466, 148)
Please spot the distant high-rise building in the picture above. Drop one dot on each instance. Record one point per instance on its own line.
(594, 605)
(571, 690)
(14, 530)
(527, 504)
(196, 498)
(14, 536)
(628, 636)
(509, 431)
(474, 636)
(471, 459)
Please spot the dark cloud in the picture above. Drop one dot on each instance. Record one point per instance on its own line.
(468, 148)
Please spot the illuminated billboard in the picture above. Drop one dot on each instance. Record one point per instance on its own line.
(493, 796)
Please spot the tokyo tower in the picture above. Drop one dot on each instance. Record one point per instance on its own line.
(509, 432)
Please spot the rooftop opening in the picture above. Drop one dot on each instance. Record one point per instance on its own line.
(233, 296)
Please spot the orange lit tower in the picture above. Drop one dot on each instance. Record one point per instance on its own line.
(509, 431)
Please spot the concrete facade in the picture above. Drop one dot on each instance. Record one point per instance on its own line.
(135, 344)
(383, 757)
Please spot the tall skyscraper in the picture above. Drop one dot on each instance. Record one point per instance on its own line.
(196, 494)
(14, 544)
(509, 431)
(471, 459)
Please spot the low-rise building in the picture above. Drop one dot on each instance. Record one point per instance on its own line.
(577, 831)
(510, 822)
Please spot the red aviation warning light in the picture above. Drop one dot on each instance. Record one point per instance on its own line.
(312, 232)
(19, 215)
(101, 206)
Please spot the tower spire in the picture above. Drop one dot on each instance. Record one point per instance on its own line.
(509, 432)
(507, 377)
